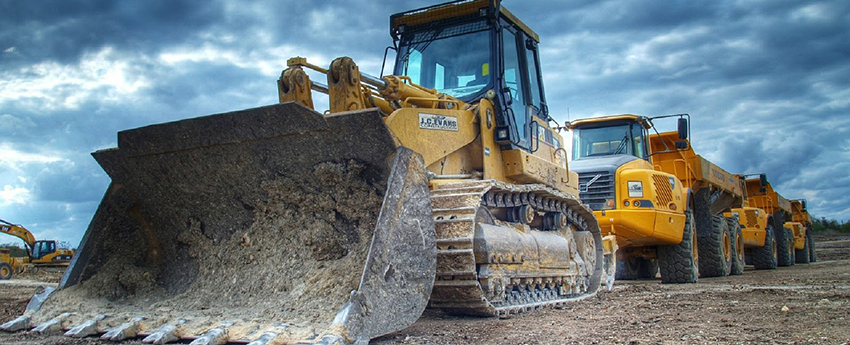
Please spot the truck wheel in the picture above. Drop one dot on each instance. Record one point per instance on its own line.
(679, 263)
(791, 250)
(633, 268)
(625, 270)
(811, 240)
(802, 256)
(5, 271)
(737, 237)
(784, 243)
(649, 269)
(765, 258)
(715, 249)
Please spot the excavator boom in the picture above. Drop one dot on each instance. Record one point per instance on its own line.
(17, 231)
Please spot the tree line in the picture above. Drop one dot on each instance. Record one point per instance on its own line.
(823, 225)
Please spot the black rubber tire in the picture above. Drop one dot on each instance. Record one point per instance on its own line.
(765, 258)
(737, 237)
(5, 271)
(679, 263)
(801, 256)
(783, 254)
(715, 248)
(782, 240)
(791, 250)
(634, 268)
(813, 257)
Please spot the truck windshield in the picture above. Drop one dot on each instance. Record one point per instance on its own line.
(605, 141)
(455, 60)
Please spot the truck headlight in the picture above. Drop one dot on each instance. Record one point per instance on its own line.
(635, 189)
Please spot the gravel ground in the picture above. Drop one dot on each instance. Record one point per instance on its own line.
(802, 304)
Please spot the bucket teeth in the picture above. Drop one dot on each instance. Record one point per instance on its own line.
(166, 333)
(53, 325)
(215, 336)
(126, 330)
(18, 324)
(85, 329)
(269, 335)
(264, 339)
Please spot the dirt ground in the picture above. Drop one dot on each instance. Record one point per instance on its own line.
(802, 304)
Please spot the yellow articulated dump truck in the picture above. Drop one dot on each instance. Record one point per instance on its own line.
(649, 211)
(757, 231)
(762, 195)
(715, 192)
(801, 226)
(442, 185)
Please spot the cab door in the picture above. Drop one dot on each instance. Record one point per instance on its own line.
(521, 86)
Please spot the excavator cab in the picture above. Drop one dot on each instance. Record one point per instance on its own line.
(42, 248)
(477, 50)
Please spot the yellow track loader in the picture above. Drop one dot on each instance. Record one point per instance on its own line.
(441, 185)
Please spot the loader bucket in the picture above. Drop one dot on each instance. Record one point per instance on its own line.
(272, 225)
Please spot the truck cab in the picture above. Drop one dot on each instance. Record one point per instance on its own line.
(617, 180)
(645, 208)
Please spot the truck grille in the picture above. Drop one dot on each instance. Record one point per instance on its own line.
(600, 188)
(663, 190)
(752, 221)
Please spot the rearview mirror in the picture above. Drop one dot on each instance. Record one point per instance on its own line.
(763, 179)
(683, 128)
(681, 145)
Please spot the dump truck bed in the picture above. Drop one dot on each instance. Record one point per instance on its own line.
(695, 171)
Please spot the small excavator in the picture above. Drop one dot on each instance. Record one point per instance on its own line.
(40, 253)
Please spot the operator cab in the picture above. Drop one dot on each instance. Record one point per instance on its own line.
(475, 49)
(617, 135)
(43, 248)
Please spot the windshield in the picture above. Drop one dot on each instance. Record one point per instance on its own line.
(605, 141)
(455, 60)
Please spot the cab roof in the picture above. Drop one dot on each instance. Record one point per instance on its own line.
(599, 121)
(450, 12)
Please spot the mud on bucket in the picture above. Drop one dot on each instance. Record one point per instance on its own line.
(273, 224)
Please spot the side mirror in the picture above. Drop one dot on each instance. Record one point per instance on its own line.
(681, 145)
(763, 179)
(804, 204)
(683, 129)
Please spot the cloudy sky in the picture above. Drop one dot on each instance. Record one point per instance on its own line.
(767, 82)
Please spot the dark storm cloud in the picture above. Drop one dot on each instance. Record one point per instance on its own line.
(64, 30)
(766, 82)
